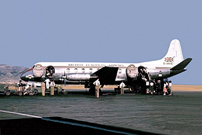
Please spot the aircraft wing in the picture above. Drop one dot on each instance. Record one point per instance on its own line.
(106, 75)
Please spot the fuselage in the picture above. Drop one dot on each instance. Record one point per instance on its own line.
(80, 72)
(85, 72)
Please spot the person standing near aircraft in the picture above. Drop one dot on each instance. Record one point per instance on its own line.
(122, 85)
(20, 85)
(147, 87)
(52, 85)
(149, 76)
(167, 84)
(158, 85)
(152, 87)
(160, 73)
(27, 89)
(164, 89)
(169, 87)
(47, 82)
(97, 87)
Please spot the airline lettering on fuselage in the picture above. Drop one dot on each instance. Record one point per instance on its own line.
(95, 65)
(76, 65)
(116, 65)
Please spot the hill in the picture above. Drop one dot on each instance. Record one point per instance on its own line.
(10, 74)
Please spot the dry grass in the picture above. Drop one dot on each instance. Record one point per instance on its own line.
(187, 88)
(174, 87)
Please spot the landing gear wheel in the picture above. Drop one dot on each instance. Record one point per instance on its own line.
(20, 93)
(56, 91)
(31, 94)
(35, 92)
(8, 93)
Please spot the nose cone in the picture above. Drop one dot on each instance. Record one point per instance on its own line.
(27, 75)
(24, 78)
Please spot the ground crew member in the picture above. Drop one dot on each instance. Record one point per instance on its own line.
(20, 85)
(97, 87)
(147, 87)
(47, 82)
(164, 89)
(149, 76)
(160, 74)
(122, 85)
(152, 87)
(169, 87)
(27, 88)
(43, 88)
(52, 85)
(158, 85)
(167, 84)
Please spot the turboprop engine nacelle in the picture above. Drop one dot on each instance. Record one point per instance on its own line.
(132, 71)
(78, 76)
(135, 73)
(38, 70)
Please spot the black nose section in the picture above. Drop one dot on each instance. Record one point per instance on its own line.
(27, 75)
(24, 78)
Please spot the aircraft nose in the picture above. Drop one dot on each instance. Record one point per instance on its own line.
(23, 78)
(26, 75)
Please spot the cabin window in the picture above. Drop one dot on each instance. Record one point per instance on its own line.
(83, 70)
(91, 70)
(68, 70)
(120, 70)
(75, 70)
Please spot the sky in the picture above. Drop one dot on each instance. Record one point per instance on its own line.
(120, 31)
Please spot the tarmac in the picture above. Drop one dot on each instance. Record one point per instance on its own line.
(57, 125)
(110, 114)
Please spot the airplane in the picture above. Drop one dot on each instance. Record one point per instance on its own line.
(132, 74)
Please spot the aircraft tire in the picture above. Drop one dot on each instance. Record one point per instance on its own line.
(56, 91)
(63, 91)
(20, 93)
(8, 93)
(35, 91)
(31, 94)
(117, 90)
(66, 93)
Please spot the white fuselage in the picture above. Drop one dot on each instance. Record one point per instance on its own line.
(77, 72)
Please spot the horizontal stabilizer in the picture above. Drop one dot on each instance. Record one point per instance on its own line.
(182, 64)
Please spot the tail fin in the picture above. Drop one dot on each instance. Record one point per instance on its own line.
(174, 54)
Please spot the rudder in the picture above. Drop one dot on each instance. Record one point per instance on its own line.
(174, 54)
